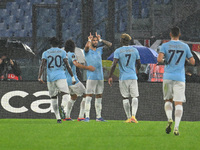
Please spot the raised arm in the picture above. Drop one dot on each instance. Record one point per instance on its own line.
(107, 43)
(88, 44)
(41, 70)
(77, 64)
(114, 64)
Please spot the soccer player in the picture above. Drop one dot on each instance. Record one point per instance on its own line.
(77, 89)
(127, 57)
(95, 80)
(175, 53)
(53, 59)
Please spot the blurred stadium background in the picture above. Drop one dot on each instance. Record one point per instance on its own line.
(33, 22)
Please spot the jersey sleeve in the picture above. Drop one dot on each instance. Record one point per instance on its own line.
(116, 54)
(74, 57)
(44, 55)
(162, 49)
(188, 54)
(64, 54)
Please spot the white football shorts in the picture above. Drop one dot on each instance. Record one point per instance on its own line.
(174, 90)
(78, 89)
(129, 88)
(94, 86)
(57, 86)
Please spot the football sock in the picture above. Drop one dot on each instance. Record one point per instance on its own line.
(54, 103)
(65, 99)
(82, 108)
(126, 105)
(168, 110)
(178, 115)
(134, 106)
(98, 107)
(87, 106)
(68, 108)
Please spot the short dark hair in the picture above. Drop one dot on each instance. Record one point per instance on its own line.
(54, 41)
(70, 46)
(175, 31)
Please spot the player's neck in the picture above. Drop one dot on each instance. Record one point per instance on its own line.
(175, 38)
(93, 48)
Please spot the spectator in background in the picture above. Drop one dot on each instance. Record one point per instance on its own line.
(9, 69)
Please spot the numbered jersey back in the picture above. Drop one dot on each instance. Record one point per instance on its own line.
(127, 56)
(175, 54)
(55, 69)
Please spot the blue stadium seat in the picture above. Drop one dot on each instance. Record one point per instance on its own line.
(4, 12)
(11, 19)
(167, 1)
(17, 26)
(2, 26)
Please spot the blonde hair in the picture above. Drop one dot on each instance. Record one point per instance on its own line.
(126, 37)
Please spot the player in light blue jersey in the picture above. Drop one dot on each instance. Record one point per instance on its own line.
(77, 89)
(175, 53)
(53, 59)
(95, 80)
(127, 57)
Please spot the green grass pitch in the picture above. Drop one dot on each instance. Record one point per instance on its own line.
(46, 134)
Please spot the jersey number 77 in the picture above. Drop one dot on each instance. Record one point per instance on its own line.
(173, 52)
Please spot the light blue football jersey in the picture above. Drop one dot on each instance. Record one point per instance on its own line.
(54, 57)
(71, 57)
(175, 54)
(94, 59)
(127, 56)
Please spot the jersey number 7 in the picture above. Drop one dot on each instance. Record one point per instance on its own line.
(129, 56)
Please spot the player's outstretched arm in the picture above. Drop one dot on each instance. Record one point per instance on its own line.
(114, 64)
(69, 70)
(88, 44)
(41, 70)
(77, 64)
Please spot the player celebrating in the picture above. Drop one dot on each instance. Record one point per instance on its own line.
(95, 80)
(77, 89)
(54, 58)
(175, 53)
(127, 56)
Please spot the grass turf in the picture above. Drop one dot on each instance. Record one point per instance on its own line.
(46, 134)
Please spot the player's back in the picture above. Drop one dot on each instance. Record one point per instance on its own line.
(175, 54)
(71, 57)
(54, 57)
(127, 56)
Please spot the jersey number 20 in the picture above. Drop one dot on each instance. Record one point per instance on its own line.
(57, 60)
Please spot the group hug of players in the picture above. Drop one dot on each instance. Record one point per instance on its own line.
(61, 77)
